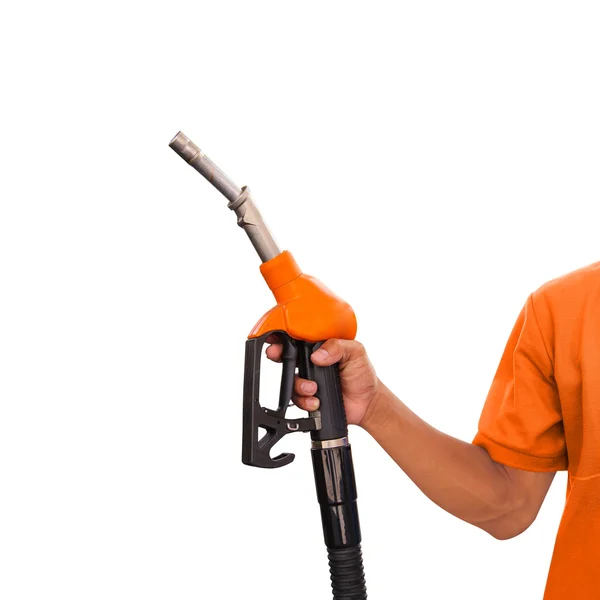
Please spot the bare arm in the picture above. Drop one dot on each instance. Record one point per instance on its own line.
(458, 476)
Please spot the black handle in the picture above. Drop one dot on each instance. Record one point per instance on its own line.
(329, 392)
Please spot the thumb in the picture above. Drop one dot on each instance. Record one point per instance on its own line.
(336, 350)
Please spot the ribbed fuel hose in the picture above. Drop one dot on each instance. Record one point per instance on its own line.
(347, 573)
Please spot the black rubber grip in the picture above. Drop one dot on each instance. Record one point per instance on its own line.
(347, 573)
(329, 392)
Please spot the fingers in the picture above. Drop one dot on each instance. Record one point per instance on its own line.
(304, 387)
(329, 353)
(274, 351)
(335, 350)
(303, 396)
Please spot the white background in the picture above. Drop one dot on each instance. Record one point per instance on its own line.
(432, 162)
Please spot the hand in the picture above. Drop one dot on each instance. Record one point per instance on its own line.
(360, 384)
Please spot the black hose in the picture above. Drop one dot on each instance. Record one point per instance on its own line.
(347, 573)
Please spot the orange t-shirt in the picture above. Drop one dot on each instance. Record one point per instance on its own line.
(542, 413)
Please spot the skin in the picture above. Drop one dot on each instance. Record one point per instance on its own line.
(459, 477)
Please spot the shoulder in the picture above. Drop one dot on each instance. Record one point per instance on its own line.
(566, 293)
(579, 280)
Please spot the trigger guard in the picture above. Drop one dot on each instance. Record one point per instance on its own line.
(283, 459)
(255, 451)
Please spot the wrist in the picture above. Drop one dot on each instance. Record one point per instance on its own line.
(377, 409)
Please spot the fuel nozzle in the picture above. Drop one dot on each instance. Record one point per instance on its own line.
(240, 200)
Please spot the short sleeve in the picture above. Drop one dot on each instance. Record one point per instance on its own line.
(521, 422)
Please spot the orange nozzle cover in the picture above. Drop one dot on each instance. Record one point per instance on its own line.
(306, 309)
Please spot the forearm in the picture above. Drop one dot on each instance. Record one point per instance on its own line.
(459, 477)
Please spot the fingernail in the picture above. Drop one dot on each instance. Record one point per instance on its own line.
(312, 403)
(310, 387)
(321, 354)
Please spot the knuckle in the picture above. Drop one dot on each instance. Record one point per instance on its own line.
(359, 348)
(336, 349)
(354, 349)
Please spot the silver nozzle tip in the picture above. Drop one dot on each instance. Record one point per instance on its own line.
(184, 147)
